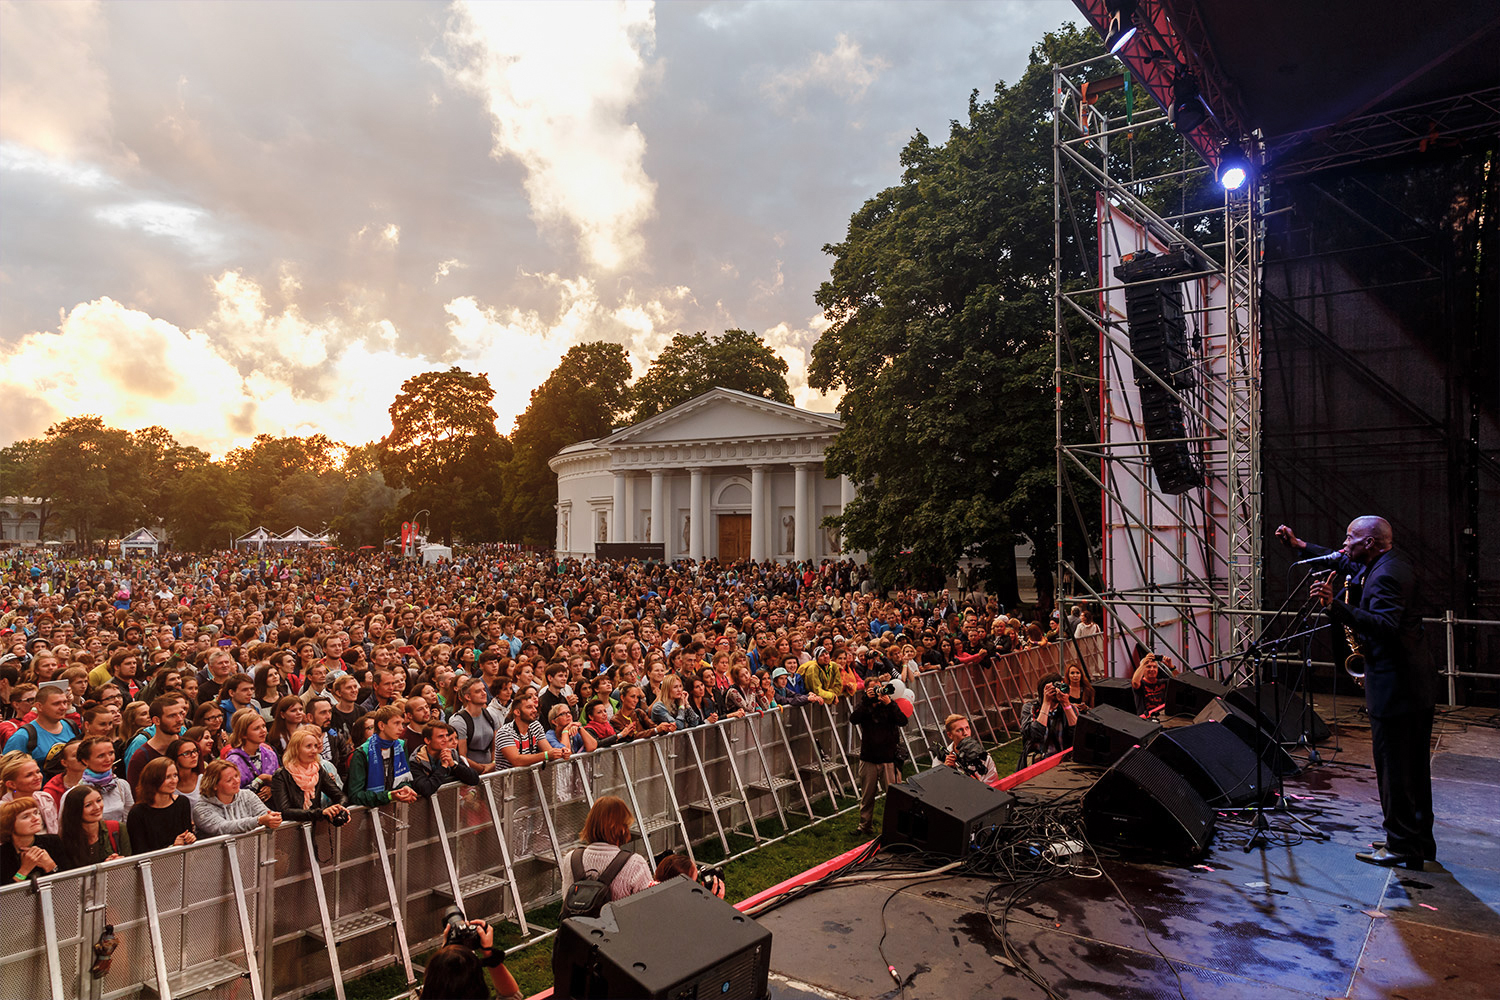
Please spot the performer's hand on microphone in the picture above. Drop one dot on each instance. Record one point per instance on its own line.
(1289, 538)
(1323, 589)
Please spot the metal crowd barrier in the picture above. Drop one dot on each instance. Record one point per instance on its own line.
(273, 915)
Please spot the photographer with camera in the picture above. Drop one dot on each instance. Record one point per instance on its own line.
(879, 720)
(677, 864)
(456, 970)
(1050, 719)
(967, 754)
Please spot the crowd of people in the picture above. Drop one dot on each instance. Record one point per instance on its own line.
(151, 701)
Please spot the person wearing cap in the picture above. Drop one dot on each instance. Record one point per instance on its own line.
(822, 677)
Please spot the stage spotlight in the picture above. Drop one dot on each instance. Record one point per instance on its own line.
(1234, 167)
(1122, 25)
(1188, 110)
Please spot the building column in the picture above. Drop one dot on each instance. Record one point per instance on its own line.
(802, 513)
(757, 513)
(618, 517)
(696, 509)
(846, 492)
(658, 506)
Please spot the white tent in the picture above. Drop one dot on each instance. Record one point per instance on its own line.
(257, 539)
(299, 536)
(433, 553)
(141, 540)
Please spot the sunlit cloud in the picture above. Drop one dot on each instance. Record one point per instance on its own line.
(54, 94)
(845, 70)
(558, 80)
(21, 159)
(188, 227)
(794, 345)
(445, 268)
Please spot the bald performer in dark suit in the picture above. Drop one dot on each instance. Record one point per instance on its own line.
(1400, 681)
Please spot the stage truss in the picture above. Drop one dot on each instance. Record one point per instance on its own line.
(1181, 574)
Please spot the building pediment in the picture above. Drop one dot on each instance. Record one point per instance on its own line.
(724, 415)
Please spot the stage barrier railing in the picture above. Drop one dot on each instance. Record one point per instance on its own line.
(279, 914)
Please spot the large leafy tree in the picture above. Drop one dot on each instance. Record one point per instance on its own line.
(693, 363)
(586, 396)
(20, 476)
(289, 480)
(941, 340)
(208, 509)
(81, 466)
(442, 443)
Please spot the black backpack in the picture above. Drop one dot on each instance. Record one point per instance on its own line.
(590, 890)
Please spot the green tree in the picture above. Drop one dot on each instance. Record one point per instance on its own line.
(586, 396)
(77, 461)
(367, 511)
(442, 442)
(941, 340)
(208, 508)
(20, 476)
(694, 363)
(265, 466)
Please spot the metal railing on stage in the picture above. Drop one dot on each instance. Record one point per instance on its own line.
(279, 914)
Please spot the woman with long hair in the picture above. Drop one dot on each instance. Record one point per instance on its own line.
(286, 717)
(188, 755)
(87, 837)
(98, 756)
(302, 791)
(160, 817)
(248, 752)
(210, 718)
(1080, 687)
(268, 683)
(21, 778)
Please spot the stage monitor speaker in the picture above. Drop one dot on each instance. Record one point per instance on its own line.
(623, 952)
(1242, 725)
(1281, 710)
(1172, 458)
(940, 811)
(1104, 733)
(1188, 692)
(1142, 805)
(1216, 762)
(1115, 691)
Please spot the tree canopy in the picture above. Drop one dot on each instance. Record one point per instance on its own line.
(694, 363)
(941, 338)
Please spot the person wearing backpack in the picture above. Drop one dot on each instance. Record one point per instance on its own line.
(49, 727)
(602, 871)
(475, 723)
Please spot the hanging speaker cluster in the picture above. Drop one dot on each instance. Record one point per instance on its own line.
(1158, 339)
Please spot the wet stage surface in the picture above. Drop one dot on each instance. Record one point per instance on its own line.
(1296, 921)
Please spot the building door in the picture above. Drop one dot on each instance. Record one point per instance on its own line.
(734, 537)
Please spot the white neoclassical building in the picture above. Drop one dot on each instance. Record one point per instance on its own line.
(725, 475)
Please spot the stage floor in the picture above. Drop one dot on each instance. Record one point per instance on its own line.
(1303, 921)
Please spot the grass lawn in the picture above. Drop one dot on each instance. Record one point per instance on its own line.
(744, 876)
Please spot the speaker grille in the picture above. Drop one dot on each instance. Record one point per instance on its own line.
(1141, 804)
(1216, 762)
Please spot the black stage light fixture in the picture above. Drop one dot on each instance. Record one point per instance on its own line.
(1233, 169)
(1188, 110)
(1122, 26)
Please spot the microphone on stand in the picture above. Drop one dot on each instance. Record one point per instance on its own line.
(1331, 559)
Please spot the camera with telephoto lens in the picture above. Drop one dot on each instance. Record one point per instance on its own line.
(458, 930)
(971, 756)
(880, 689)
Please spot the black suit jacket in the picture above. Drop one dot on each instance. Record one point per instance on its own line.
(1399, 675)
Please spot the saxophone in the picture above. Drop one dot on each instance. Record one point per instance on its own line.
(1354, 663)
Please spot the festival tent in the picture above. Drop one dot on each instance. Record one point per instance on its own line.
(257, 539)
(141, 540)
(300, 536)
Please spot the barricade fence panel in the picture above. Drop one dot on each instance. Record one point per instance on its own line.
(759, 767)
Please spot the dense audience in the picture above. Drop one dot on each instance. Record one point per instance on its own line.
(148, 702)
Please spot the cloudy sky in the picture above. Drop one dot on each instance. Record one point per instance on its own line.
(235, 218)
